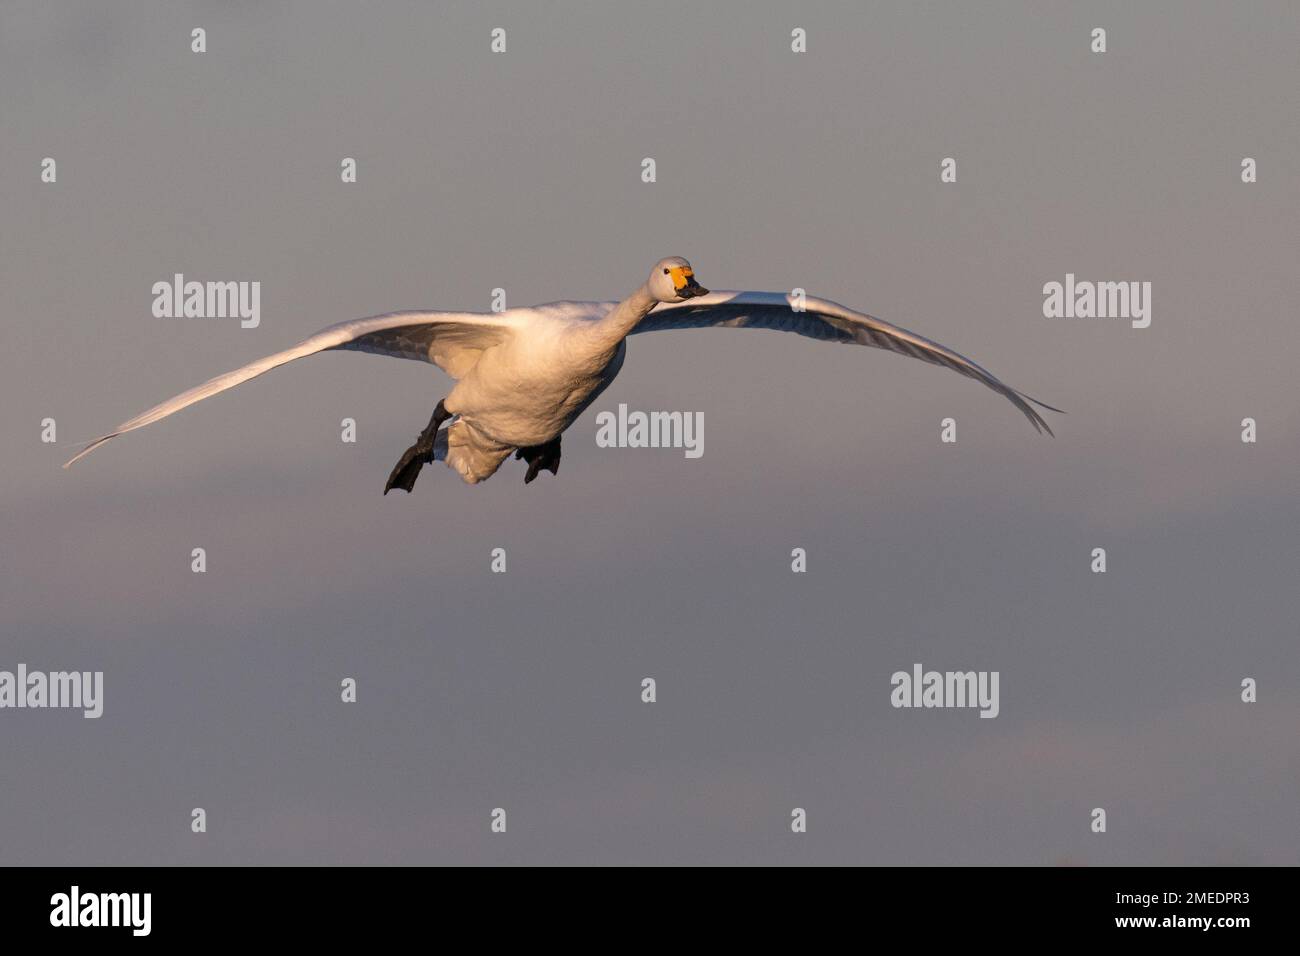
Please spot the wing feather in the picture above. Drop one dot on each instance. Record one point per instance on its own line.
(827, 321)
(451, 340)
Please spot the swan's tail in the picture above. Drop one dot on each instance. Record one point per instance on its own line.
(468, 452)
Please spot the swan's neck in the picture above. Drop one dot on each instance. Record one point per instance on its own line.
(623, 318)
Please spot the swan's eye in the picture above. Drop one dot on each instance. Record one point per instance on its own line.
(665, 272)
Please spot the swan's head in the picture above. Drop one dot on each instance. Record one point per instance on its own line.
(673, 280)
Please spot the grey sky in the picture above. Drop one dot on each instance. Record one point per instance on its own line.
(521, 690)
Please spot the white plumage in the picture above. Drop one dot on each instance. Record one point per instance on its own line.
(524, 375)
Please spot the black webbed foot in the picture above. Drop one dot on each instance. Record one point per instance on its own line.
(408, 468)
(541, 456)
(418, 455)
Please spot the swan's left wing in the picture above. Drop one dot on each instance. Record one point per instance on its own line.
(830, 322)
(451, 340)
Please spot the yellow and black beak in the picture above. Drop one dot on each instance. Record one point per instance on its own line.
(684, 283)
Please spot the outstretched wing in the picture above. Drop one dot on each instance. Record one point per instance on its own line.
(830, 322)
(451, 340)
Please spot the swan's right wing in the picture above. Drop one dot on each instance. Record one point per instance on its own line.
(451, 340)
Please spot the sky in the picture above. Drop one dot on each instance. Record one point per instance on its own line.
(522, 690)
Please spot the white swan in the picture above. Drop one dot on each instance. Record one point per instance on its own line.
(524, 375)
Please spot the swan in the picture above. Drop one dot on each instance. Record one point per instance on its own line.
(524, 375)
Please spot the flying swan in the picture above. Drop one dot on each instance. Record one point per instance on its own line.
(524, 375)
